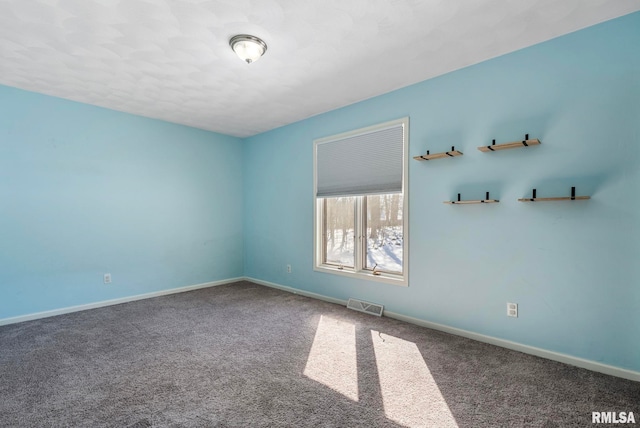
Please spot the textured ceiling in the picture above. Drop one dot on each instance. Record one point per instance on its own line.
(170, 59)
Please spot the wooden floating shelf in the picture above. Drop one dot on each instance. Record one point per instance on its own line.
(573, 197)
(564, 198)
(513, 145)
(479, 201)
(450, 154)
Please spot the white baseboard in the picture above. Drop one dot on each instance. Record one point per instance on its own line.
(70, 309)
(539, 352)
(526, 349)
(297, 291)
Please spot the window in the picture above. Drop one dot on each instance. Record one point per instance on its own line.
(380, 230)
(360, 204)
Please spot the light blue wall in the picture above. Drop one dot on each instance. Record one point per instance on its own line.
(85, 190)
(573, 268)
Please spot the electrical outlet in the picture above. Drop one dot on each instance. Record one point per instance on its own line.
(512, 310)
(288, 268)
(107, 278)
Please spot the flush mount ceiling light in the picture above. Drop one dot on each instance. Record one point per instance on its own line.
(248, 48)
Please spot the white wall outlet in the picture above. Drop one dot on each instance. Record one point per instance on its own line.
(288, 268)
(512, 310)
(107, 278)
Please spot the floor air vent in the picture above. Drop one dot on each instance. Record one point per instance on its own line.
(362, 306)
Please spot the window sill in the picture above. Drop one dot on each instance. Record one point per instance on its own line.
(366, 275)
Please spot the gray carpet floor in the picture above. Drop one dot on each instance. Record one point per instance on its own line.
(243, 355)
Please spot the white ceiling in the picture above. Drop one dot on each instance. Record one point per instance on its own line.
(170, 59)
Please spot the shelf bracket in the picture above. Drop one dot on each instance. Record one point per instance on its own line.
(453, 149)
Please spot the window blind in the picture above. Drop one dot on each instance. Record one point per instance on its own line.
(363, 164)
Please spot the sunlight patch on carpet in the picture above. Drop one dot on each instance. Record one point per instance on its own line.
(410, 395)
(333, 360)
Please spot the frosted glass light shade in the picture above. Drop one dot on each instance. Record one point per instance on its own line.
(248, 48)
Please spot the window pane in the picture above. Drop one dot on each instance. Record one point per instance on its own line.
(339, 231)
(384, 233)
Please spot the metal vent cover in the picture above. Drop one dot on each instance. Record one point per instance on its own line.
(366, 307)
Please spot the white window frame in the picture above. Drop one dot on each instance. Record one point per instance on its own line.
(359, 270)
